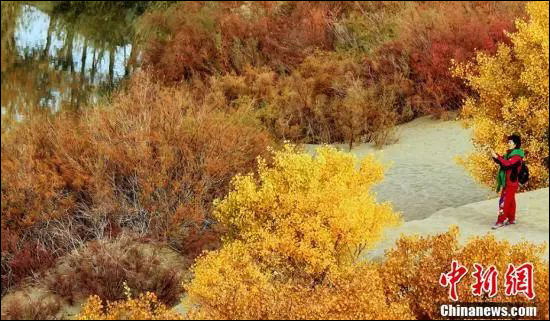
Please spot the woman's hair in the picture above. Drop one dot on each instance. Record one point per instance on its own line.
(516, 139)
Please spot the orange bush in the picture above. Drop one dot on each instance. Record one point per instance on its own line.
(324, 100)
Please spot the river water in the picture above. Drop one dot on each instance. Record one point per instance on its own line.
(57, 58)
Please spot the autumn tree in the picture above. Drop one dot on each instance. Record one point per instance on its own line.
(511, 96)
(295, 232)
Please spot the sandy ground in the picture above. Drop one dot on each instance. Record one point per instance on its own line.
(476, 220)
(424, 177)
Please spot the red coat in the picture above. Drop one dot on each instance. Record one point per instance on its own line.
(512, 167)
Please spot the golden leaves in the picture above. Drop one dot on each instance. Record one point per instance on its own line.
(410, 270)
(511, 96)
(296, 231)
(144, 307)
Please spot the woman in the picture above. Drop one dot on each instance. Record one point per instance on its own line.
(510, 165)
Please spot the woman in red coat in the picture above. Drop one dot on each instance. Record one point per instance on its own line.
(510, 166)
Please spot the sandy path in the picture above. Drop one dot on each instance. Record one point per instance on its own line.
(424, 176)
(476, 220)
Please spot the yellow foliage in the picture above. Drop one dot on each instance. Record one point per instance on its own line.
(307, 213)
(230, 284)
(295, 232)
(145, 307)
(511, 96)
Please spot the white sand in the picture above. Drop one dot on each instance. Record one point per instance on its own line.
(424, 176)
(476, 220)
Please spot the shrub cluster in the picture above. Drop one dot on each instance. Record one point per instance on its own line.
(411, 271)
(151, 162)
(208, 38)
(294, 233)
(144, 307)
(406, 47)
(323, 100)
(102, 268)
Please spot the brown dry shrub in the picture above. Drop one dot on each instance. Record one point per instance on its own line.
(171, 157)
(102, 267)
(326, 99)
(150, 162)
(32, 306)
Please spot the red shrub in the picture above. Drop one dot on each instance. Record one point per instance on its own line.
(204, 38)
(440, 32)
(21, 259)
(417, 62)
(31, 258)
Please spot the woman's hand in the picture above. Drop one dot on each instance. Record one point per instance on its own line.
(493, 153)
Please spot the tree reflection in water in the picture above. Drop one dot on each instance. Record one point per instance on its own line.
(62, 55)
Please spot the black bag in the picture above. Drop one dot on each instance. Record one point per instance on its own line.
(523, 175)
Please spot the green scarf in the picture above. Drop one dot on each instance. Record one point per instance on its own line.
(501, 178)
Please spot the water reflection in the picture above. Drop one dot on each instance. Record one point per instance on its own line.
(58, 55)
